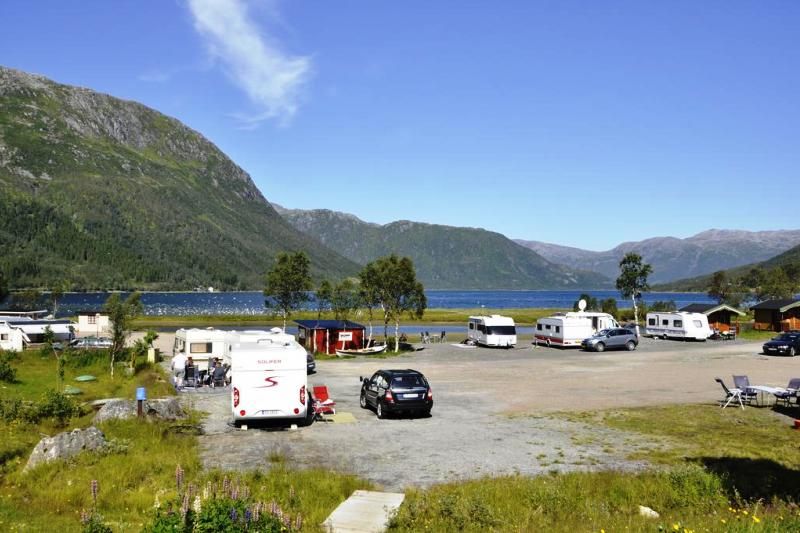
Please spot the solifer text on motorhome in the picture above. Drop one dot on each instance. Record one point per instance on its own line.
(569, 329)
(494, 330)
(678, 325)
(268, 378)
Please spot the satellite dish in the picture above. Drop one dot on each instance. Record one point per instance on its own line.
(582, 304)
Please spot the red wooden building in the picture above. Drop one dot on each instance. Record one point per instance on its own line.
(721, 317)
(777, 315)
(327, 336)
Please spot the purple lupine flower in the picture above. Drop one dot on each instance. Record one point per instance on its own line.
(191, 489)
(226, 485)
(234, 515)
(85, 517)
(273, 507)
(235, 493)
(179, 477)
(184, 505)
(95, 490)
(248, 515)
(287, 521)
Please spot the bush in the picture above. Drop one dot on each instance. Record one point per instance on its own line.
(58, 406)
(7, 372)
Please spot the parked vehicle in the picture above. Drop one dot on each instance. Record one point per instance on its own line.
(311, 364)
(269, 379)
(92, 342)
(570, 329)
(394, 391)
(678, 325)
(203, 345)
(611, 339)
(494, 330)
(783, 344)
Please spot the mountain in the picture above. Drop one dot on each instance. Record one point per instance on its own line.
(105, 193)
(674, 258)
(445, 257)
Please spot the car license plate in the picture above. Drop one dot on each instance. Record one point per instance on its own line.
(410, 395)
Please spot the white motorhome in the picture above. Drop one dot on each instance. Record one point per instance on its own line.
(36, 328)
(494, 330)
(569, 329)
(678, 325)
(12, 338)
(202, 345)
(268, 379)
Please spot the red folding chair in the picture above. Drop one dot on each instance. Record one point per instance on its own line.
(323, 404)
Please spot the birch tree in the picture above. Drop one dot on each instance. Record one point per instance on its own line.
(288, 283)
(632, 280)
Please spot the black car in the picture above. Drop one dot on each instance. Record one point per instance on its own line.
(311, 365)
(783, 344)
(395, 391)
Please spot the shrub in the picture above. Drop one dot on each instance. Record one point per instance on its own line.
(58, 406)
(7, 372)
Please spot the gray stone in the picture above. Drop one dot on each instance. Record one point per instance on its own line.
(65, 445)
(164, 409)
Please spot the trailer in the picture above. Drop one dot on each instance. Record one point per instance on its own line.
(569, 329)
(494, 331)
(678, 325)
(268, 380)
(203, 345)
(12, 338)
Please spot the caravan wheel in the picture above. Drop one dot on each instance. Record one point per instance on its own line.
(547, 343)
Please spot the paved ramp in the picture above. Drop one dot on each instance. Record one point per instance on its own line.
(365, 511)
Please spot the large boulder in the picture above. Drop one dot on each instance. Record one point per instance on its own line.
(65, 445)
(164, 408)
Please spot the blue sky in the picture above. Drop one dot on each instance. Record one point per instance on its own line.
(580, 123)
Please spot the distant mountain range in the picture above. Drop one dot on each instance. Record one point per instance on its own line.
(104, 193)
(445, 257)
(673, 258)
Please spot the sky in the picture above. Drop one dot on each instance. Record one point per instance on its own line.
(580, 123)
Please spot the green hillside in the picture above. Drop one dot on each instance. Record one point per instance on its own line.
(105, 193)
(445, 257)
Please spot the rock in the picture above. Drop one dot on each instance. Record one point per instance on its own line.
(164, 409)
(647, 512)
(66, 445)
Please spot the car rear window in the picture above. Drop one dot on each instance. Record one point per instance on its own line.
(408, 380)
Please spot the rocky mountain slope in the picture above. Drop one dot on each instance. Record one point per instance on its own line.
(105, 193)
(674, 258)
(445, 257)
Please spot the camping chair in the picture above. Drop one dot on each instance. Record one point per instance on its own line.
(730, 395)
(323, 404)
(743, 384)
(218, 377)
(190, 376)
(790, 392)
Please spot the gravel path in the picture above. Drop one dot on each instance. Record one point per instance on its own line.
(492, 411)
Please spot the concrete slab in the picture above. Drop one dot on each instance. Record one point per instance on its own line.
(342, 418)
(365, 511)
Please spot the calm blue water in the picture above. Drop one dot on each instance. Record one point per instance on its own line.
(252, 303)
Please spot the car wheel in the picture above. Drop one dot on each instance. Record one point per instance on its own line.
(379, 410)
(792, 351)
(426, 412)
(363, 400)
(630, 345)
(600, 347)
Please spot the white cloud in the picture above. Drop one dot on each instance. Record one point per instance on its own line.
(271, 78)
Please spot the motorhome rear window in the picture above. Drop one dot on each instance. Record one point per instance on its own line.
(200, 347)
(651, 321)
(503, 330)
(677, 323)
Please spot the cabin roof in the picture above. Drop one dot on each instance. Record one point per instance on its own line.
(777, 304)
(708, 309)
(328, 324)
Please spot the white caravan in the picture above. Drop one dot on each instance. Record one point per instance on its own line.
(495, 330)
(202, 345)
(569, 329)
(679, 325)
(12, 338)
(268, 379)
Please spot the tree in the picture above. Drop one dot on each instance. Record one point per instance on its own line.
(56, 292)
(344, 299)
(323, 297)
(776, 284)
(3, 286)
(368, 292)
(609, 305)
(393, 283)
(591, 302)
(720, 287)
(141, 346)
(288, 283)
(27, 300)
(121, 314)
(632, 280)
(665, 306)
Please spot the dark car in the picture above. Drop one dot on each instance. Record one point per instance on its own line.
(395, 391)
(783, 344)
(610, 339)
(311, 365)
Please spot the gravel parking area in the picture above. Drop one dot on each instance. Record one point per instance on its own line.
(493, 410)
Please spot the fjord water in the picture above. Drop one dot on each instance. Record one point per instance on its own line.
(252, 302)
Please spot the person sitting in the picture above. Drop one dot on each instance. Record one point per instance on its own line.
(218, 377)
(190, 376)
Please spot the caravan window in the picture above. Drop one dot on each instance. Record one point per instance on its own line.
(200, 347)
(539, 327)
(472, 325)
(481, 328)
(698, 324)
(547, 326)
(558, 329)
(651, 321)
(3, 336)
(665, 322)
(501, 330)
(677, 323)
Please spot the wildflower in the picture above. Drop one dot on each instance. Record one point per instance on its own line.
(245, 492)
(248, 515)
(745, 513)
(196, 506)
(157, 503)
(676, 527)
(179, 477)
(756, 519)
(85, 517)
(191, 489)
(298, 522)
(235, 493)
(95, 489)
(233, 514)
(226, 485)
(724, 521)
(257, 511)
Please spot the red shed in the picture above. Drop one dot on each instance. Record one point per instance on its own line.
(327, 336)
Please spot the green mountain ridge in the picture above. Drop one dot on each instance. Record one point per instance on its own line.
(105, 193)
(445, 257)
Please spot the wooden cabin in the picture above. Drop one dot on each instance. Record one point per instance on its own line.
(777, 315)
(327, 336)
(721, 317)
